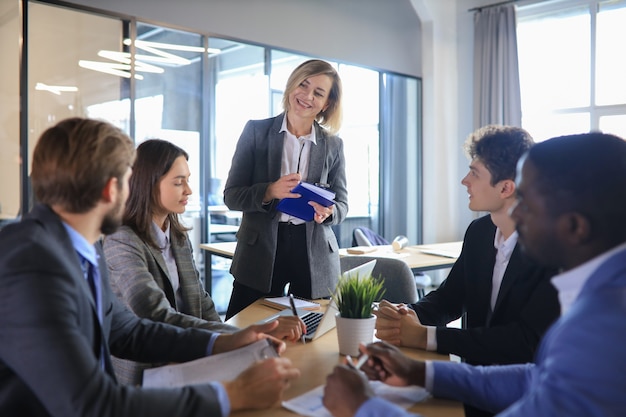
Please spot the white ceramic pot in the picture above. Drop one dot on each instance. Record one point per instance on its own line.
(351, 332)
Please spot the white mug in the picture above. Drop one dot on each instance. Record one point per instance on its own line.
(400, 242)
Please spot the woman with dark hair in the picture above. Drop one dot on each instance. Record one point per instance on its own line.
(150, 259)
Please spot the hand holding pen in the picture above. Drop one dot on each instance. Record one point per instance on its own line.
(295, 313)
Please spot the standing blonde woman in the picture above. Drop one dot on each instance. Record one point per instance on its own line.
(271, 158)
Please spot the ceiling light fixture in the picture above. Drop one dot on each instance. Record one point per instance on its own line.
(159, 56)
(172, 47)
(55, 89)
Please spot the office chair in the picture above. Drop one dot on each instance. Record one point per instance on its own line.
(399, 280)
(362, 236)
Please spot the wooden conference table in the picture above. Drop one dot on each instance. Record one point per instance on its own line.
(317, 358)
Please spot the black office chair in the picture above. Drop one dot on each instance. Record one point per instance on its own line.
(399, 280)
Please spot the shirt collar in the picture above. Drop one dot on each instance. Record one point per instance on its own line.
(570, 283)
(162, 237)
(310, 137)
(82, 246)
(504, 247)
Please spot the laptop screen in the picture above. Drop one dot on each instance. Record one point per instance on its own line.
(361, 271)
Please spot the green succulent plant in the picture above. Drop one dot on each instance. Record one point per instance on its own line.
(355, 295)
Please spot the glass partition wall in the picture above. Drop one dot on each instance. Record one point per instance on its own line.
(197, 91)
(10, 157)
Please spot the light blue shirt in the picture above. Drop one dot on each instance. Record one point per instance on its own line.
(87, 254)
(376, 407)
(88, 257)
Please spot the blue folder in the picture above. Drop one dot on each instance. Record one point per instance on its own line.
(299, 207)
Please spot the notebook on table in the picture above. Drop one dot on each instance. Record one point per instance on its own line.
(317, 323)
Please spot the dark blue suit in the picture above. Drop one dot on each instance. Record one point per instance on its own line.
(51, 338)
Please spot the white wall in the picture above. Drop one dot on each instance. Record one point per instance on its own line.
(447, 74)
(431, 39)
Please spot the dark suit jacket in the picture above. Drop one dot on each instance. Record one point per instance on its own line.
(255, 165)
(527, 303)
(140, 278)
(50, 336)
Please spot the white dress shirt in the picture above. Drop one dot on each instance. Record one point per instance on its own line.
(504, 250)
(295, 159)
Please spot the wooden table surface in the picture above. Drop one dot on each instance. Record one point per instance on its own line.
(414, 255)
(317, 358)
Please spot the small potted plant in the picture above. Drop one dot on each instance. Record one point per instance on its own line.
(354, 298)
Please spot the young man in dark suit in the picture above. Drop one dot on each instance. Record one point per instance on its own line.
(506, 298)
(59, 320)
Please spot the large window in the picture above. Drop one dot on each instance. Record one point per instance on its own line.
(197, 91)
(572, 67)
(68, 75)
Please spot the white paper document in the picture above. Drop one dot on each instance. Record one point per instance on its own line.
(283, 303)
(310, 403)
(221, 367)
(447, 250)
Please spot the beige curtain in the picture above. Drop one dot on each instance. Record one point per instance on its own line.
(496, 73)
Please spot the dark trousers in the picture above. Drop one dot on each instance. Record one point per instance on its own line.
(291, 266)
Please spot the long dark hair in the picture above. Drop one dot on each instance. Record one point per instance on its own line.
(154, 160)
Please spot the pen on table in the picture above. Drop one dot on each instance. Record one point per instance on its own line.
(360, 362)
(295, 313)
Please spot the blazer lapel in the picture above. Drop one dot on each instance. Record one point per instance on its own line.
(187, 279)
(513, 269)
(484, 286)
(105, 326)
(167, 283)
(275, 148)
(317, 156)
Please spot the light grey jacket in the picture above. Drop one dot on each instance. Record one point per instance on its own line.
(139, 277)
(256, 163)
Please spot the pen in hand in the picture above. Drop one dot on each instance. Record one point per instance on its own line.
(360, 362)
(295, 313)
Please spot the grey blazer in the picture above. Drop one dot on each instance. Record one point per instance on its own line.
(256, 163)
(139, 277)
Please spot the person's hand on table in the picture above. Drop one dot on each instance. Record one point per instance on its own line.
(388, 364)
(399, 325)
(228, 342)
(289, 328)
(261, 385)
(345, 391)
